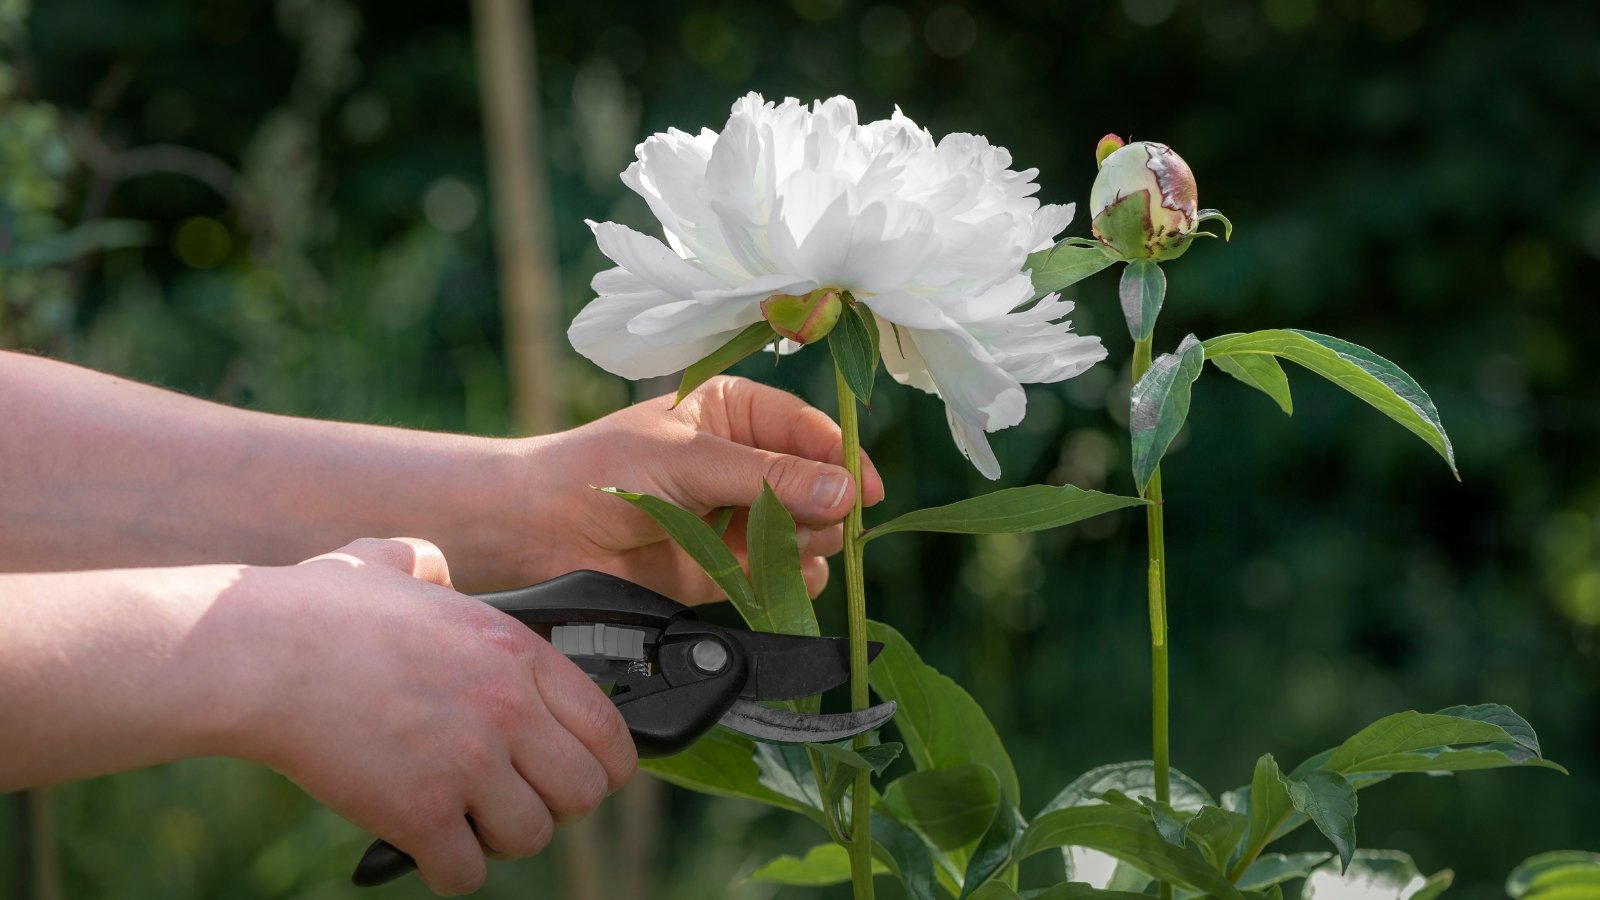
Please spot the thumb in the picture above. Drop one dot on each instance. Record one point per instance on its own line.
(723, 473)
(413, 556)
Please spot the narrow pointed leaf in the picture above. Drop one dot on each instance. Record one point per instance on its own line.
(1032, 508)
(1375, 380)
(703, 545)
(823, 865)
(1329, 801)
(1206, 215)
(1142, 290)
(1065, 264)
(939, 722)
(1437, 742)
(874, 759)
(854, 345)
(781, 602)
(721, 359)
(1159, 405)
(1216, 833)
(950, 807)
(1262, 373)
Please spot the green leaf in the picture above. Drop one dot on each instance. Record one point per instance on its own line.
(996, 850)
(721, 359)
(951, 807)
(1438, 742)
(785, 769)
(1216, 833)
(875, 758)
(941, 724)
(1206, 215)
(995, 890)
(703, 545)
(1373, 875)
(1379, 382)
(1329, 801)
(1078, 891)
(1172, 827)
(1275, 868)
(1504, 716)
(1137, 780)
(908, 857)
(1270, 804)
(1558, 875)
(721, 518)
(1141, 291)
(781, 603)
(1127, 833)
(1159, 404)
(723, 764)
(1032, 508)
(854, 345)
(823, 865)
(1262, 373)
(1064, 265)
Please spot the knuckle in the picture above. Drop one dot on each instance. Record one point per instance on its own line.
(464, 878)
(501, 703)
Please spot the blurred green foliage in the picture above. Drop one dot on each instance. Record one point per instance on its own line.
(284, 205)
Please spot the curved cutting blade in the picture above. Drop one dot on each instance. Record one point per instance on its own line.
(791, 666)
(780, 726)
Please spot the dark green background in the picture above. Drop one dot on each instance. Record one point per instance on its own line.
(1415, 176)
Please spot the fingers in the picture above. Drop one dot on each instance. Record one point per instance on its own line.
(510, 817)
(815, 571)
(448, 855)
(413, 556)
(766, 418)
(588, 715)
(712, 472)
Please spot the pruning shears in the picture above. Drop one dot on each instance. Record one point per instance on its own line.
(671, 675)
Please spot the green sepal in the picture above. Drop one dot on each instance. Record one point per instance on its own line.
(854, 345)
(721, 359)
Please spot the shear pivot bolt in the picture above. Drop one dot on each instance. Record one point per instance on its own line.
(709, 656)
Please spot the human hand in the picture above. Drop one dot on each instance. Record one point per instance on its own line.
(713, 450)
(409, 709)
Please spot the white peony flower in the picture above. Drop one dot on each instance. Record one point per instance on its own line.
(786, 200)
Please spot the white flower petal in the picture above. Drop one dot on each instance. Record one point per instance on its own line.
(974, 445)
(600, 332)
(651, 260)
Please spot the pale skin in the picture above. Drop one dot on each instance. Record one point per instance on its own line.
(168, 590)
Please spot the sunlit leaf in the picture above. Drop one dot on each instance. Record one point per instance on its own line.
(1064, 265)
(1262, 373)
(781, 603)
(1032, 508)
(722, 763)
(823, 865)
(704, 546)
(1559, 875)
(1379, 382)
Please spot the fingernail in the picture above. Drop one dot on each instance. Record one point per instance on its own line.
(829, 490)
(802, 537)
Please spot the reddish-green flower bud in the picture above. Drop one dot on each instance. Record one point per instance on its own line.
(803, 319)
(1144, 202)
(1107, 146)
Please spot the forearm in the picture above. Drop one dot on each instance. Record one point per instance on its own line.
(96, 472)
(106, 671)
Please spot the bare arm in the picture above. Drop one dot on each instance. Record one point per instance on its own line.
(400, 704)
(98, 472)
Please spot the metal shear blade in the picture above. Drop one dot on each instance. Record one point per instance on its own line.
(780, 726)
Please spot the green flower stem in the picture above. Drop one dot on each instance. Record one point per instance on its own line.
(1156, 529)
(861, 810)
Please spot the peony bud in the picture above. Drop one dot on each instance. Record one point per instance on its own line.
(803, 319)
(1144, 201)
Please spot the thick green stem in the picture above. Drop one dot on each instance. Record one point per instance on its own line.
(1157, 587)
(861, 801)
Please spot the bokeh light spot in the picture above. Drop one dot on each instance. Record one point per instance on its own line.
(885, 30)
(450, 205)
(202, 243)
(817, 10)
(950, 31)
